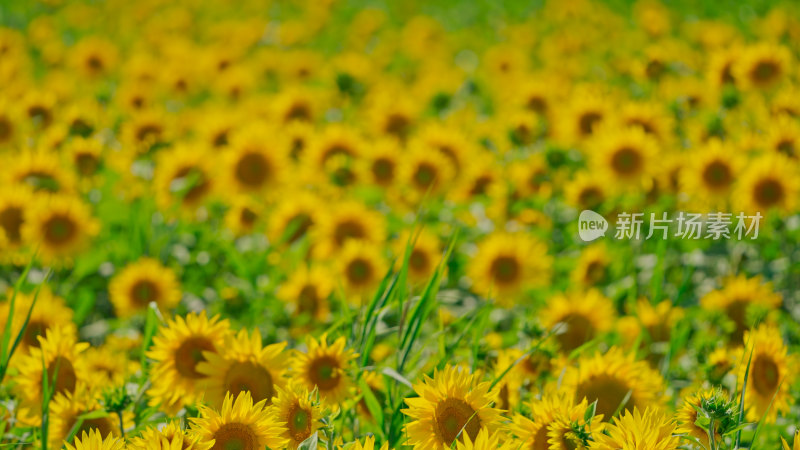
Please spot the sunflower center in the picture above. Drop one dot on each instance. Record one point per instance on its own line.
(480, 185)
(398, 125)
(35, 329)
(590, 197)
(418, 260)
(143, 292)
(540, 438)
(252, 170)
(299, 422)
(764, 71)
(247, 217)
(348, 229)
(5, 129)
(189, 354)
(40, 114)
(246, 376)
(300, 223)
(199, 185)
(87, 163)
(102, 425)
(451, 154)
(717, 175)
(537, 104)
(453, 415)
(626, 161)
(425, 175)
(646, 126)
(766, 375)
(235, 436)
(308, 301)
(299, 111)
(148, 132)
(578, 330)
(95, 63)
(383, 170)
(769, 192)
(786, 146)
(62, 371)
(609, 392)
(11, 221)
(595, 272)
(359, 271)
(505, 269)
(588, 121)
(325, 373)
(59, 229)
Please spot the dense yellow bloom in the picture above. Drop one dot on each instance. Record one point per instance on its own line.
(297, 414)
(650, 429)
(240, 423)
(451, 404)
(324, 367)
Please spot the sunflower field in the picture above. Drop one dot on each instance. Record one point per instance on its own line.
(399, 224)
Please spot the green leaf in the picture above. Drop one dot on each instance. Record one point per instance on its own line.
(374, 407)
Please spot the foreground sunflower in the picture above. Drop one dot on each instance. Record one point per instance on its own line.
(651, 430)
(59, 358)
(325, 368)
(452, 404)
(239, 424)
(617, 381)
(771, 374)
(555, 417)
(169, 437)
(297, 414)
(177, 350)
(93, 440)
(66, 409)
(142, 282)
(246, 365)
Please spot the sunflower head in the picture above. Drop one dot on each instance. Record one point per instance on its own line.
(297, 413)
(651, 429)
(239, 424)
(325, 367)
(770, 373)
(141, 283)
(93, 440)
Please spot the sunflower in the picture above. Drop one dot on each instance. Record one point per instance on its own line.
(578, 317)
(587, 109)
(251, 165)
(381, 165)
(94, 57)
(65, 411)
(296, 104)
(39, 107)
(783, 136)
(771, 373)
(762, 66)
(168, 437)
(86, 156)
(737, 296)
(94, 441)
(592, 267)
(688, 414)
(452, 404)
(360, 267)
(145, 129)
(177, 350)
(307, 291)
(425, 252)
(611, 378)
(294, 217)
(244, 215)
(552, 426)
(297, 414)
(49, 312)
(624, 157)
(60, 354)
(770, 182)
(344, 222)
(110, 364)
(143, 282)
(586, 191)
(246, 365)
(531, 177)
(41, 170)
(183, 177)
(522, 375)
(652, 430)
(325, 368)
(710, 175)
(507, 264)
(392, 113)
(451, 143)
(9, 125)
(238, 424)
(335, 152)
(369, 444)
(61, 227)
(652, 118)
